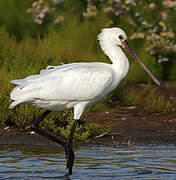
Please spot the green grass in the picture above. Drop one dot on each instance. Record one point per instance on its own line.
(26, 48)
(157, 104)
(148, 98)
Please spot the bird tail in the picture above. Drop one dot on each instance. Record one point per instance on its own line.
(21, 93)
(15, 103)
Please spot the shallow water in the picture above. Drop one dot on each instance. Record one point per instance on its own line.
(92, 162)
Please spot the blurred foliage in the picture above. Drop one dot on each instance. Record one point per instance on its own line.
(148, 97)
(156, 104)
(38, 33)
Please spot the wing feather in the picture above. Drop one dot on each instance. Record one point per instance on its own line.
(70, 82)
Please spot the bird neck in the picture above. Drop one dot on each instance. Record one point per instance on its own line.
(113, 51)
(117, 56)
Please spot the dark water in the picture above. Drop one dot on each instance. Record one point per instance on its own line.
(92, 162)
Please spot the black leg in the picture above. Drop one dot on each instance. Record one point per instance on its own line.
(40, 119)
(67, 146)
(35, 127)
(81, 122)
(69, 153)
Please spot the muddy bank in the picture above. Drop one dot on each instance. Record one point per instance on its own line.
(132, 126)
(129, 126)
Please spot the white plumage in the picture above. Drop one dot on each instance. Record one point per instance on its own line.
(75, 85)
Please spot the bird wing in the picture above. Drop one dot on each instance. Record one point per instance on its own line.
(70, 82)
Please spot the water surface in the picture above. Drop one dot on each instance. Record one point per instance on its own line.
(92, 162)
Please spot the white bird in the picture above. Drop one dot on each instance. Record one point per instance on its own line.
(76, 85)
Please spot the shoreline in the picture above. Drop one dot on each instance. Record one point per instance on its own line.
(130, 124)
(128, 129)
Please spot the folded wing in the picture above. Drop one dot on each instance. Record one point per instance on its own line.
(69, 82)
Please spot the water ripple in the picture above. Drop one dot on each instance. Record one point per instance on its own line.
(92, 162)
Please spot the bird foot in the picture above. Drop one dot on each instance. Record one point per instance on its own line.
(69, 154)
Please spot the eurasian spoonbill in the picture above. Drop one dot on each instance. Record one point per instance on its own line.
(76, 85)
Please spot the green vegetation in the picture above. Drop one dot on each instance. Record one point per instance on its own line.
(61, 124)
(148, 97)
(156, 103)
(26, 47)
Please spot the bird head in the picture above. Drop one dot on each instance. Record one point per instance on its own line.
(117, 37)
(113, 35)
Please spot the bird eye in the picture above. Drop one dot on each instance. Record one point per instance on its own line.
(120, 37)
